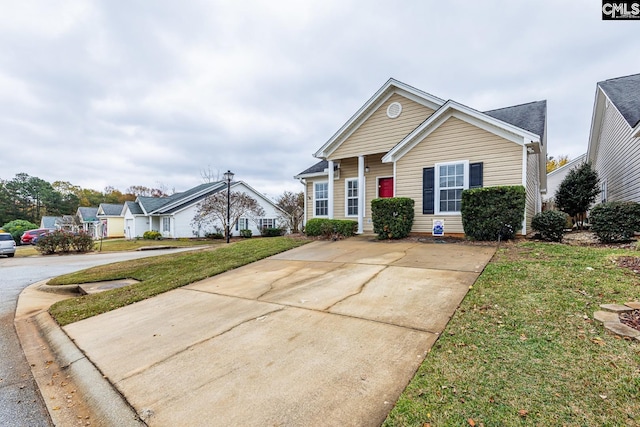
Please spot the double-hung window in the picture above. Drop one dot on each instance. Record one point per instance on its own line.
(351, 195)
(321, 198)
(166, 224)
(451, 179)
(267, 223)
(242, 224)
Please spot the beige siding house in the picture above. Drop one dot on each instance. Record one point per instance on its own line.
(404, 142)
(614, 141)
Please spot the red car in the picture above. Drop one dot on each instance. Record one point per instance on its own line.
(29, 235)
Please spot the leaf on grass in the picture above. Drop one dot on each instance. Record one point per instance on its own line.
(471, 422)
(523, 413)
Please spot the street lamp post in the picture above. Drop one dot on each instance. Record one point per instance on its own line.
(228, 176)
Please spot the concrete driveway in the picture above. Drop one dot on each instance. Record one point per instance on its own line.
(326, 334)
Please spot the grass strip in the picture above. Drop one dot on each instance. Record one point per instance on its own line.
(160, 274)
(523, 348)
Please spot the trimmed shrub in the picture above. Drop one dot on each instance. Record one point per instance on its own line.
(615, 221)
(82, 242)
(246, 233)
(272, 232)
(152, 235)
(550, 225)
(392, 217)
(493, 213)
(216, 235)
(331, 228)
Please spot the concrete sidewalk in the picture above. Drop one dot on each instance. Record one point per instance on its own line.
(326, 334)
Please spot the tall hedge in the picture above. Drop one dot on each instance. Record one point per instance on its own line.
(493, 213)
(392, 217)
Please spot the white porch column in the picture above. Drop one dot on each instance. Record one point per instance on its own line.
(330, 189)
(361, 194)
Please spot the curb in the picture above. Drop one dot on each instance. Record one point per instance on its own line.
(108, 407)
(72, 387)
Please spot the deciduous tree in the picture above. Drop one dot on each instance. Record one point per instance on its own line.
(213, 210)
(293, 206)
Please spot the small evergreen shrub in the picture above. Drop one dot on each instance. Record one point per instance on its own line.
(331, 228)
(152, 235)
(272, 232)
(493, 213)
(217, 235)
(64, 241)
(82, 242)
(392, 217)
(550, 225)
(615, 221)
(246, 233)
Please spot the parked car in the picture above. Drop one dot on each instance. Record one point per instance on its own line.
(29, 235)
(7, 245)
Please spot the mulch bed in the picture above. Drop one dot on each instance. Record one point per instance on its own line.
(631, 319)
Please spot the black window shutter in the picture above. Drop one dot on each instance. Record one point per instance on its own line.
(475, 175)
(428, 181)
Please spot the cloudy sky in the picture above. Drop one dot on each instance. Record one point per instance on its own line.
(121, 93)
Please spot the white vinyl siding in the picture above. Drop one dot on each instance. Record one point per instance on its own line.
(617, 160)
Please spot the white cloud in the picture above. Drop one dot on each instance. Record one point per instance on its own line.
(124, 93)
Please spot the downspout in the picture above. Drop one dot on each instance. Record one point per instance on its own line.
(524, 184)
(330, 189)
(361, 193)
(304, 218)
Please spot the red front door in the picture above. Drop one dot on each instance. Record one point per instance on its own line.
(385, 187)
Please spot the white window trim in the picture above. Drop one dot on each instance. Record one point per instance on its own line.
(436, 185)
(378, 178)
(168, 220)
(316, 199)
(346, 198)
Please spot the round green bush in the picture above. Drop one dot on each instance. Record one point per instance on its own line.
(615, 221)
(550, 225)
(152, 235)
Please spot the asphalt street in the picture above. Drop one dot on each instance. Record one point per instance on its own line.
(20, 400)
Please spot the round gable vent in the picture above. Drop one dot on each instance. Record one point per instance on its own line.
(394, 109)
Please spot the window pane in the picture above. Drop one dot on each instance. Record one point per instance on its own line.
(459, 169)
(459, 181)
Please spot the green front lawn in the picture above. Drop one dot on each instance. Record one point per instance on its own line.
(160, 274)
(523, 348)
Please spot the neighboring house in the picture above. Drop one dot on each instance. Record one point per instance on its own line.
(614, 141)
(64, 222)
(556, 176)
(50, 222)
(87, 220)
(173, 215)
(111, 220)
(404, 142)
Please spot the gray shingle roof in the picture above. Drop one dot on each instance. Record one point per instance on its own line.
(111, 209)
(134, 208)
(531, 116)
(88, 214)
(178, 200)
(317, 168)
(50, 221)
(624, 92)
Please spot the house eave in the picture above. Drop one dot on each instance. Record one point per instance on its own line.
(391, 87)
(469, 115)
